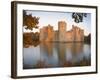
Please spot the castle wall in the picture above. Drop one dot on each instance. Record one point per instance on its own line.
(82, 35)
(56, 36)
(69, 36)
(41, 35)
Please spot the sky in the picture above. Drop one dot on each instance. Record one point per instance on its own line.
(52, 18)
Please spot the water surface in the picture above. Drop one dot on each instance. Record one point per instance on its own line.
(48, 55)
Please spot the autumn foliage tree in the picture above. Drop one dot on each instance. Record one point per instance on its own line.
(29, 21)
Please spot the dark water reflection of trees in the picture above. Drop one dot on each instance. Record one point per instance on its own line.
(46, 55)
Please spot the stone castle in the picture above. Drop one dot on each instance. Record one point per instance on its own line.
(47, 33)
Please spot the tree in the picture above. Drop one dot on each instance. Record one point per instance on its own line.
(78, 17)
(29, 21)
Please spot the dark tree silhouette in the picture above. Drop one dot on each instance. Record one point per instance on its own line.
(87, 39)
(29, 21)
(78, 17)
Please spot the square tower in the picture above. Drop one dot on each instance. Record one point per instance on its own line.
(62, 31)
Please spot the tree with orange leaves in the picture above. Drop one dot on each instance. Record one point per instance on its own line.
(29, 21)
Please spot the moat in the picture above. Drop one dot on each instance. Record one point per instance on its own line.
(54, 54)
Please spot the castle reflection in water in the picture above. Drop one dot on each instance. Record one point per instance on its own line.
(49, 54)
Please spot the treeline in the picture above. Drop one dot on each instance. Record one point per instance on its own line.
(87, 39)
